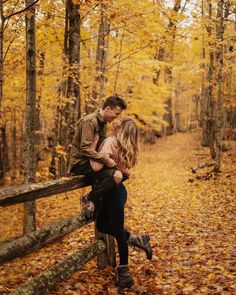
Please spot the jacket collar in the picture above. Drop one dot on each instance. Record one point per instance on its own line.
(100, 117)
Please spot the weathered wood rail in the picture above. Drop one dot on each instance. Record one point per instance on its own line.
(47, 281)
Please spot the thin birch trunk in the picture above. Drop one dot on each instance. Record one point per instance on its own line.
(208, 105)
(38, 126)
(203, 114)
(30, 159)
(2, 168)
(1, 53)
(13, 146)
(219, 103)
(210, 99)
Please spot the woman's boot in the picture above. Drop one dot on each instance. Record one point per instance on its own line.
(123, 277)
(141, 242)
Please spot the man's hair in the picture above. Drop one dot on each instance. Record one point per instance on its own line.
(114, 101)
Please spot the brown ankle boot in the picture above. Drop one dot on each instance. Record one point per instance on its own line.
(123, 277)
(141, 242)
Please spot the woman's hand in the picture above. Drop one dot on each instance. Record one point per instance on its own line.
(110, 163)
(118, 176)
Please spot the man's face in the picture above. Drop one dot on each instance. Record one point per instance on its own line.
(109, 114)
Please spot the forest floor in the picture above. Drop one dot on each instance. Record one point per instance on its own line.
(191, 220)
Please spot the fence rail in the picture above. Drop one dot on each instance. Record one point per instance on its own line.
(29, 192)
(103, 248)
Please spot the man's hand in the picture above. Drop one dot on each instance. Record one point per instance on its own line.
(126, 176)
(110, 163)
(118, 176)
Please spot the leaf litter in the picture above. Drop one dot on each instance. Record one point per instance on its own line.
(191, 222)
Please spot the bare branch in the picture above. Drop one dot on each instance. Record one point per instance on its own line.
(5, 27)
(14, 67)
(88, 12)
(8, 47)
(23, 10)
(128, 56)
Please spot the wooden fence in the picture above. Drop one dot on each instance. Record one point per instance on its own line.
(47, 281)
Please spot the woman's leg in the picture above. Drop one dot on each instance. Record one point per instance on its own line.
(116, 216)
(110, 220)
(103, 220)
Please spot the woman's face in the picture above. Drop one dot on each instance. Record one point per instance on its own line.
(116, 123)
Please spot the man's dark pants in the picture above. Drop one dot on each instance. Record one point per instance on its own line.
(103, 181)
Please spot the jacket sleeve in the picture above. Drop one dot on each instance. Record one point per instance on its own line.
(87, 148)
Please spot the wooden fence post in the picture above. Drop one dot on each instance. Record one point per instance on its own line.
(108, 256)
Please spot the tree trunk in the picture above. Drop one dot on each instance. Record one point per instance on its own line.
(208, 104)
(2, 168)
(73, 84)
(219, 64)
(71, 88)
(210, 98)
(203, 88)
(49, 279)
(101, 59)
(30, 159)
(13, 144)
(167, 56)
(210, 133)
(168, 116)
(38, 126)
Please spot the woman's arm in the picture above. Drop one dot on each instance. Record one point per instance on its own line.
(107, 148)
(96, 166)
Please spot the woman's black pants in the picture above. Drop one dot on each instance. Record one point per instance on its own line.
(110, 220)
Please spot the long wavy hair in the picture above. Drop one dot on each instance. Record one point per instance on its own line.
(127, 136)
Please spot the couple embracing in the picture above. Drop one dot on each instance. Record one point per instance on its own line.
(106, 161)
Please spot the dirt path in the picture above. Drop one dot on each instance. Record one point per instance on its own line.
(192, 224)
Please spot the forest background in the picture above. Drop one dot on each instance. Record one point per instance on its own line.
(173, 62)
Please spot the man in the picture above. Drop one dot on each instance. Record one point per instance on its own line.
(90, 132)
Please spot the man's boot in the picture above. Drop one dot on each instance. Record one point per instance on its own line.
(123, 277)
(87, 207)
(141, 242)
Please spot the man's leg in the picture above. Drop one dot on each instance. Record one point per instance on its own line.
(103, 182)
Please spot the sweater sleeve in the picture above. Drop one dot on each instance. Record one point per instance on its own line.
(109, 147)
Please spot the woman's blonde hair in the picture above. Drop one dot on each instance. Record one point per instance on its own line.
(128, 143)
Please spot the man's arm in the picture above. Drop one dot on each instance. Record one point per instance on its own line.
(87, 148)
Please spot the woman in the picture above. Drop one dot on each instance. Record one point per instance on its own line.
(123, 149)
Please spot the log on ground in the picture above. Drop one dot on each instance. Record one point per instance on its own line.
(49, 279)
(37, 239)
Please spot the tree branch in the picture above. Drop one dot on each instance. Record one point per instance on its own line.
(8, 47)
(23, 10)
(138, 50)
(5, 27)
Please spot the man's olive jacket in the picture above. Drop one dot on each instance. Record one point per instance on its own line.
(87, 129)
